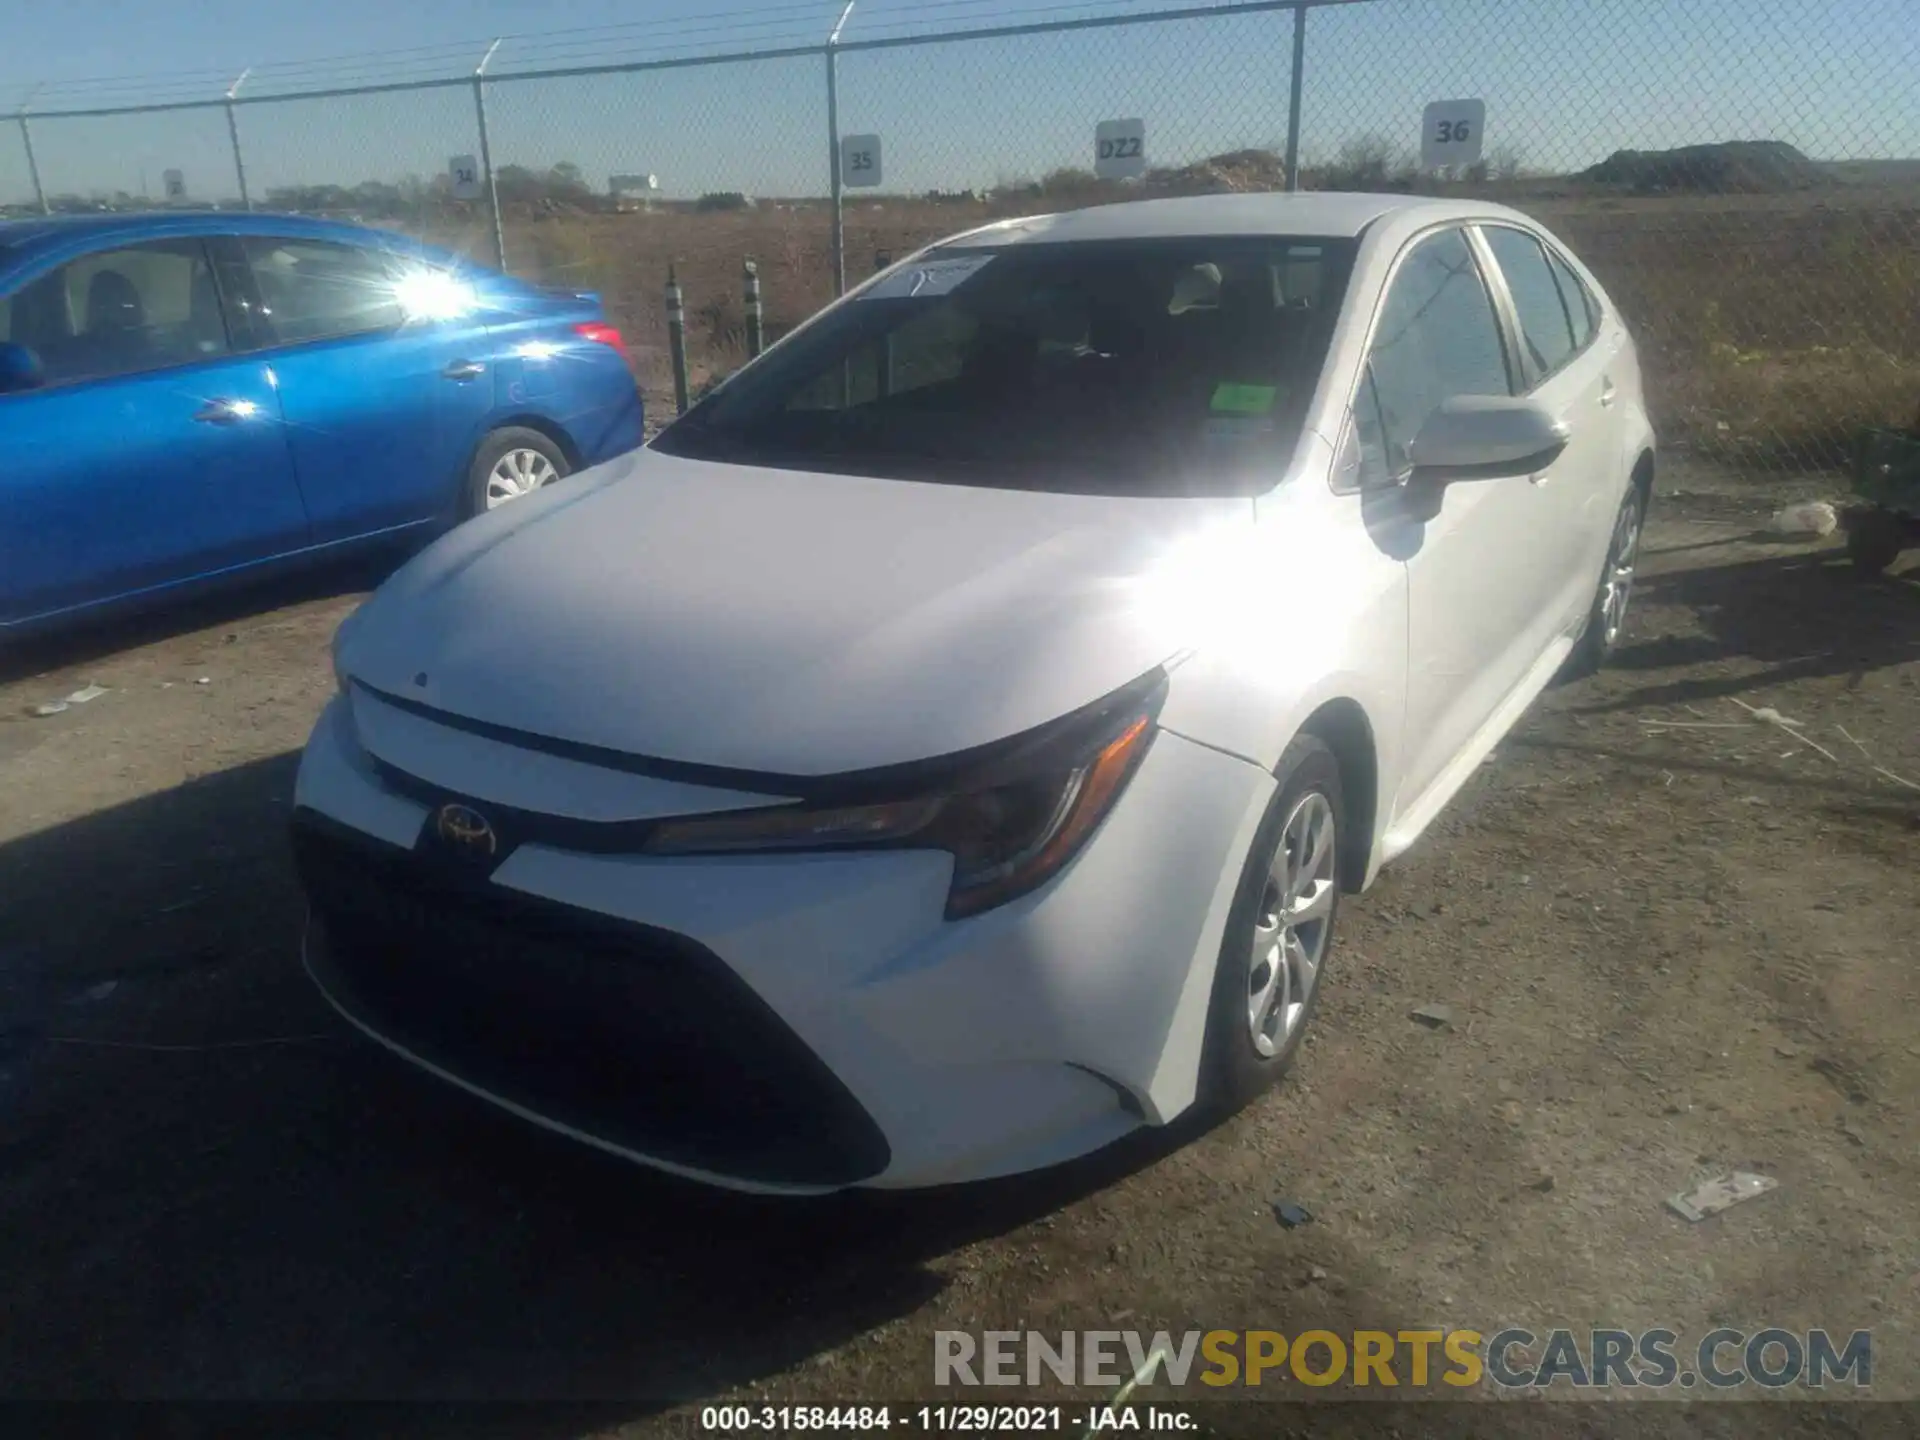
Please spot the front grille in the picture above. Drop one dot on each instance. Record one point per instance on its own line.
(637, 1036)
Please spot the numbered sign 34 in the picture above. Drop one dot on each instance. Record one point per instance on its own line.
(464, 173)
(1120, 149)
(1451, 131)
(859, 159)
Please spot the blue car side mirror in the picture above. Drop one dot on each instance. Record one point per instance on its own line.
(20, 369)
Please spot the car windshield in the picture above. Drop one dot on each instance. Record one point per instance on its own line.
(1149, 367)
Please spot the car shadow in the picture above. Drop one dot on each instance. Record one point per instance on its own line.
(210, 1188)
(115, 633)
(1802, 617)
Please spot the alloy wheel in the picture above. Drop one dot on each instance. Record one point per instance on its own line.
(1293, 925)
(1616, 587)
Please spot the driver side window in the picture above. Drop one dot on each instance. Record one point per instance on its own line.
(119, 312)
(1437, 337)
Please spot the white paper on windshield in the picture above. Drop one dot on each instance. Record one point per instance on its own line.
(928, 278)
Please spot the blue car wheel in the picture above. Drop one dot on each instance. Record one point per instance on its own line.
(512, 463)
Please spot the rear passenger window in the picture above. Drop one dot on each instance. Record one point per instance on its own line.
(1579, 300)
(119, 312)
(316, 290)
(1546, 327)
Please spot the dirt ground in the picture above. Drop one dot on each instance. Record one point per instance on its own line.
(1668, 953)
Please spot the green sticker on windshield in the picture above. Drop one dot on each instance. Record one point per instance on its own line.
(1238, 399)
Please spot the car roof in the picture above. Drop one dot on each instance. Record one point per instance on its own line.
(1323, 213)
(37, 230)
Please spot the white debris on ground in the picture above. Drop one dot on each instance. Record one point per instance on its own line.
(1808, 518)
(1722, 1193)
(79, 697)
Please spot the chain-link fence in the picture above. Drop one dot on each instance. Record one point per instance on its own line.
(1745, 178)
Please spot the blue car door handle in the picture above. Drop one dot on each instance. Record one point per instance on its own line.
(463, 370)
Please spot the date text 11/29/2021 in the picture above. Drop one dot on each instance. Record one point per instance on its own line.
(956, 1419)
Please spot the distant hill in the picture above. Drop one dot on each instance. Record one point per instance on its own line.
(1732, 167)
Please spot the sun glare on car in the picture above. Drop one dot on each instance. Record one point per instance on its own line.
(427, 294)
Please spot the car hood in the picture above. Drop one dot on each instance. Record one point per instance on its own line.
(776, 621)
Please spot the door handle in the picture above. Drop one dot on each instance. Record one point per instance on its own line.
(1607, 391)
(464, 370)
(226, 412)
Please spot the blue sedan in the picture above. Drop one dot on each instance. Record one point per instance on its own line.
(191, 397)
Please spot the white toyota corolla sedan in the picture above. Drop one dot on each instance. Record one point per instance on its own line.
(942, 751)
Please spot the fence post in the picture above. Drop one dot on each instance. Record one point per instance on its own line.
(883, 382)
(677, 339)
(756, 329)
(33, 165)
(233, 132)
(833, 151)
(1293, 96)
(486, 156)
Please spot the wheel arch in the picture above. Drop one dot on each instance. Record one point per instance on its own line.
(1341, 725)
(531, 420)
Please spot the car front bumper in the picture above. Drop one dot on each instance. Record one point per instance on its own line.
(788, 1023)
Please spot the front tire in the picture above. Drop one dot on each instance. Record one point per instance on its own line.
(1280, 931)
(510, 464)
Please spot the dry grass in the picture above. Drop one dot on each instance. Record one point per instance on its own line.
(1770, 327)
(1769, 332)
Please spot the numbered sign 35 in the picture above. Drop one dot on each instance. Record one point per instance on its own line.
(1120, 149)
(1451, 132)
(859, 159)
(464, 172)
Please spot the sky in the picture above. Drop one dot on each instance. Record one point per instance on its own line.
(1565, 83)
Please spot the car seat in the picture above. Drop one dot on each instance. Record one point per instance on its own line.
(113, 305)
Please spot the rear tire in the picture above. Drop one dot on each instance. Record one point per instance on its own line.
(1273, 959)
(1607, 616)
(511, 463)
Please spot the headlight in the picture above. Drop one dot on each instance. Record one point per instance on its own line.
(1011, 816)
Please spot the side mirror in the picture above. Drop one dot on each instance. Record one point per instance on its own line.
(20, 369)
(1485, 437)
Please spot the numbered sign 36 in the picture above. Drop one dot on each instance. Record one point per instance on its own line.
(174, 183)
(859, 159)
(464, 172)
(1120, 149)
(1451, 132)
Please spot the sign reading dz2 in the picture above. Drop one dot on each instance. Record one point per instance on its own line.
(1451, 133)
(1120, 149)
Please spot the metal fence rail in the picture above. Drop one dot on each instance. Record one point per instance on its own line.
(1773, 293)
(828, 50)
